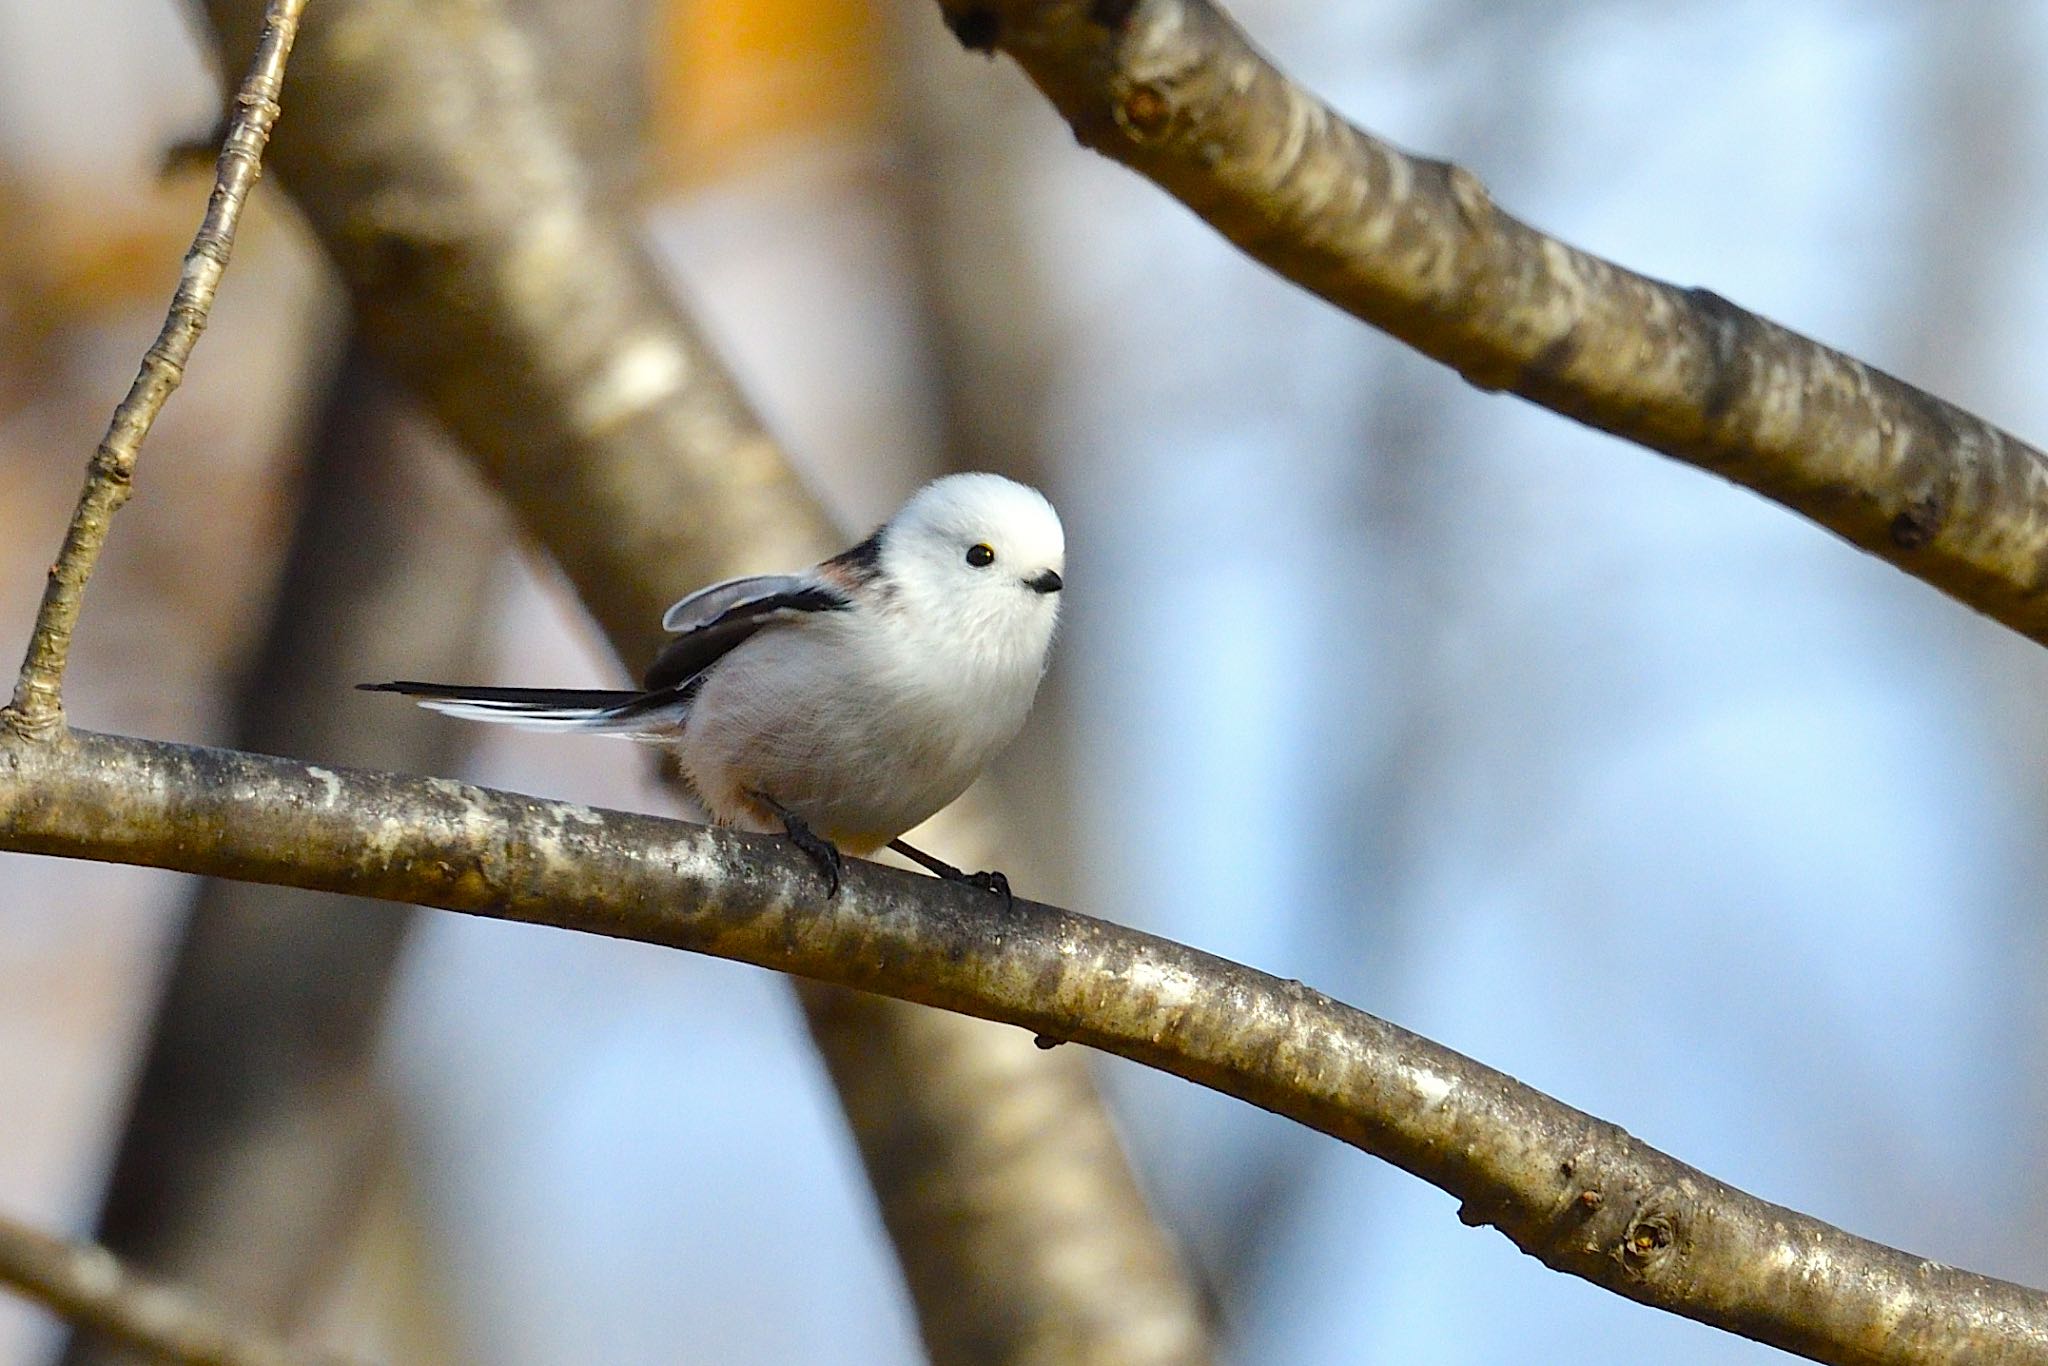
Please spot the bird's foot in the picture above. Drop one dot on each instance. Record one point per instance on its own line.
(992, 882)
(987, 882)
(815, 846)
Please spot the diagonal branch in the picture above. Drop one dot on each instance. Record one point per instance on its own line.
(490, 277)
(38, 705)
(1172, 89)
(1574, 1191)
(88, 1285)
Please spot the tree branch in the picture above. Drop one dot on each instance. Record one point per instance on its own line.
(488, 276)
(88, 1285)
(1574, 1191)
(1021, 1231)
(1173, 89)
(38, 705)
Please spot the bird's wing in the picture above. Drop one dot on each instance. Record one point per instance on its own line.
(712, 620)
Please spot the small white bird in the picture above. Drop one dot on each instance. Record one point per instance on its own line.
(847, 703)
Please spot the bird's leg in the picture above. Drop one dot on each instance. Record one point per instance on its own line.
(822, 851)
(938, 867)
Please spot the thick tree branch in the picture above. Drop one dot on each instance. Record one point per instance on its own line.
(88, 1285)
(489, 276)
(1574, 1191)
(38, 704)
(986, 1180)
(1172, 89)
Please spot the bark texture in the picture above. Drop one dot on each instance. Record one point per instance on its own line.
(1174, 90)
(1576, 1192)
(487, 276)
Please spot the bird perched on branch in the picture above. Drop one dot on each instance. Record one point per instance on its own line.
(846, 703)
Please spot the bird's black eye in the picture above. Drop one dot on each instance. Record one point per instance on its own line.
(981, 554)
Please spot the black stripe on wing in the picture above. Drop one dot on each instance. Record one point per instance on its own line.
(690, 653)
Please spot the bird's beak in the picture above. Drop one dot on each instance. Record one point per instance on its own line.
(1045, 581)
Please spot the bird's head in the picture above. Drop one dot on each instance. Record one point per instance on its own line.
(979, 558)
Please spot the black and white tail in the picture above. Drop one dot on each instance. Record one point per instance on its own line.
(596, 710)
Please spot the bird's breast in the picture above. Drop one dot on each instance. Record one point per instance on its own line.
(858, 734)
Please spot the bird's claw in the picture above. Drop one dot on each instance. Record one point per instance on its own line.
(992, 882)
(822, 851)
(938, 867)
(815, 846)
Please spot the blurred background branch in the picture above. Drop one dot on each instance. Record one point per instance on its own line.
(257, 1124)
(89, 1286)
(489, 276)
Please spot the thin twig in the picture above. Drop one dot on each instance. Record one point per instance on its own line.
(89, 1286)
(38, 705)
(1416, 247)
(1574, 1191)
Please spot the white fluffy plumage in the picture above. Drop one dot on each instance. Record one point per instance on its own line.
(861, 695)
